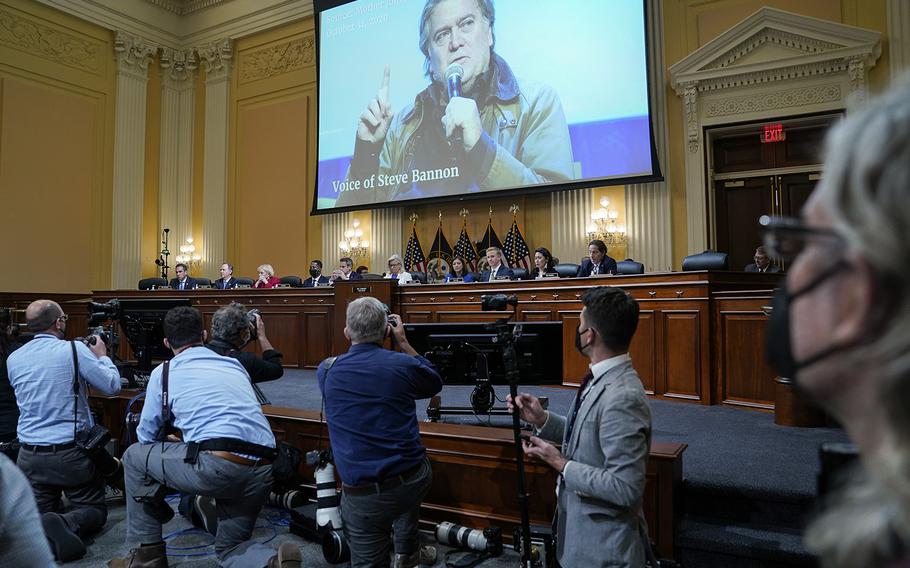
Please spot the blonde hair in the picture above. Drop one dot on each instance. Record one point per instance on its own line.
(866, 189)
(266, 268)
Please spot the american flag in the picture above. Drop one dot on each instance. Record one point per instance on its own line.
(516, 249)
(490, 239)
(413, 256)
(464, 249)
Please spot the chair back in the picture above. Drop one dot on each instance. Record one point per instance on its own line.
(200, 282)
(292, 281)
(372, 276)
(520, 273)
(629, 266)
(151, 283)
(245, 282)
(708, 260)
(566, 269)
(419, 276)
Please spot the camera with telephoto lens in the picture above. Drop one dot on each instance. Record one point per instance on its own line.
(93, 442)
(254, 327)
(328, 515)
(488, 540)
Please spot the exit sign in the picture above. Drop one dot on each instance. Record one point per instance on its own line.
(773, 133)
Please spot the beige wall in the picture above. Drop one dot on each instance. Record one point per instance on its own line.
(56, 146)
(57, 86)
(689, 24)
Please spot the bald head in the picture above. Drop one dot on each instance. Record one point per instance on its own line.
(42, 315)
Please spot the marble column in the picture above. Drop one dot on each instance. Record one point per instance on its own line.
(217, 58)
(648, 213)
(898, 37)
(387, 234)
(333, 228)
(571, 213)
(133, 56)
(178, 105)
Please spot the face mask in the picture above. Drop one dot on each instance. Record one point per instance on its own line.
(314, 273)
(581, 348)
(779, 345)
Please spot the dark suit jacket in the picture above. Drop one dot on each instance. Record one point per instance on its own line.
(190, 283)
(220, 284)
(503, 271)
(355, 276)
(310, 283)
(772, 268)
(535, 272)
(607, 266)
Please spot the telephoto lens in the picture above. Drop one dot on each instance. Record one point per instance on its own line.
(335, 547)
(328, 516)
(457, 536)
(287, 499)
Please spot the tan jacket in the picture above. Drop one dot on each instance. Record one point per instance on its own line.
(525, 142)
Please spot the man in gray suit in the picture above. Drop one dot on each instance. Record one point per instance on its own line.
(605, 442)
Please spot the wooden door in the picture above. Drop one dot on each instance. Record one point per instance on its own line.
(738, 205)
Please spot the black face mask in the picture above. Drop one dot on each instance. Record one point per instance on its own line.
(779, 344)
(578, 345)
(314, 273)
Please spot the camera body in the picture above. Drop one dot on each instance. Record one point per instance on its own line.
(389, 319)
(254, 327)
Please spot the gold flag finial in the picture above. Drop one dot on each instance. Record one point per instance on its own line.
(463, 212)
(440, 216)
(414, 217)
(491, 212)
(514, 209)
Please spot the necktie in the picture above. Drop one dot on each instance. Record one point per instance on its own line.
(493, 274)
(181, 285)
(579, 396)
(596, 267)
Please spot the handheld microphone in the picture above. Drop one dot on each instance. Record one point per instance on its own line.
(454, 73)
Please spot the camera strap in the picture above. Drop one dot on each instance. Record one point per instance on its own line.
(165, 409)
(75, 388)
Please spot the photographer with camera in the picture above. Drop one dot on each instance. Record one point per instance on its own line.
(604, 441)
(49, 377)
(370, 396)
(233, 327)
(226, 451)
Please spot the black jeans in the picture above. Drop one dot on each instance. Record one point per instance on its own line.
(71, 473)
(369, 519)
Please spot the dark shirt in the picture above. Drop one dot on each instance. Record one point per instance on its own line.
(311, 282)
(268, 368)
(9, 410)
(607, 266)
(370, 398)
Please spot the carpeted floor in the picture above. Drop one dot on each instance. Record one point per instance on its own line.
(729, 449)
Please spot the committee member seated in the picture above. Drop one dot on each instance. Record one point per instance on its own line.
(227, 280)
(762, 262)
(362, 270)
(397, 271)
(225, 441)
(498, 270)
(459, 269)
(183, 280)
(345, 271)
(543, 263)
(597, 262)
(44, 375)
(317, 278)
(602, 445)
(267, 278)
(370, 396)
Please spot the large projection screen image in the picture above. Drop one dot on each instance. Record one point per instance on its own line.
(453, 99)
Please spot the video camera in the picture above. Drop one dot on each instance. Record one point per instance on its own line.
(100, 324)
(498, 302)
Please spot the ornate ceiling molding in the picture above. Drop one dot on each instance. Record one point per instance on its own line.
(47, 42)
(277, 59)
(184, 7)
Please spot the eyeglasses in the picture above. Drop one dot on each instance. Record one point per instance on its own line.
(394, 264)
(787, 237)
(63, 318)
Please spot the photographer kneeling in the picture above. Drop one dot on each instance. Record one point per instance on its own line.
(44, 374)
(370, 397)
(233, 327)
(226, 451)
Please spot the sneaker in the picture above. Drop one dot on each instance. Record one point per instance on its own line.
(288, 556)
(425, 556)
(205, 508)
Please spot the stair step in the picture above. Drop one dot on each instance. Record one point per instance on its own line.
(706, 543)
(737, 506)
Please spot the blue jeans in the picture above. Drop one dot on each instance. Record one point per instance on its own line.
(369, 519)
